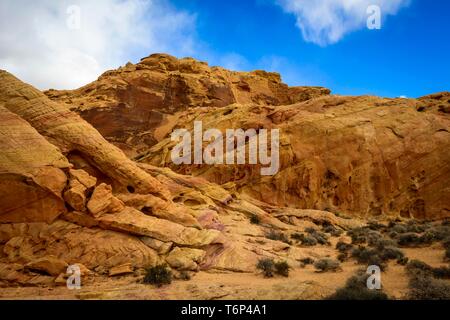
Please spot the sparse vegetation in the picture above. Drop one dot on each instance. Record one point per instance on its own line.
(254, 219)
(269, 267)
(327, 264)
(158, 275)
(266, 265)
(356, 289)
(277, 236)
(332, 230)
(423, 283)
(305, 261)
(282, 268)
(307, 240)
(343, 246)
(320, 237)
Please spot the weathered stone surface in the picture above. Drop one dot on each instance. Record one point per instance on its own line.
(31, 179)
(121, 270)
(135, 222)
(49, 265)
(71, 133)
(83, 177)
(97, 249)
(160, 246)
(185, 258)
(102, 201)
(75, 196)
(364, 156)
(134, 106)
(156, 207)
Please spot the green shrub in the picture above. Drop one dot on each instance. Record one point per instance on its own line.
(422, 284)
(267, 266)
(369, 257)
(343, 247)
(278, 236)
(158, 275)
(327, 264)
(282, 268)
(359, 235)
(356, 289)
(320, 237)
(376, 226)
(391, 253)
(409, 239)
(329, 228)
(306, 261)
(297, 236)
(308, 240)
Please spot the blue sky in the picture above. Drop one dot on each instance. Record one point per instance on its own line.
(409, 55)
(309, 42)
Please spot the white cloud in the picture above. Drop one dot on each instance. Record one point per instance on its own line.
(326, 22)
(37, 45)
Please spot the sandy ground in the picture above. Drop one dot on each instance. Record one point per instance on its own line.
(302, 283)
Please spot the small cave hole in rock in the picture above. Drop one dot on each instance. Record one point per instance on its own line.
(130, 189)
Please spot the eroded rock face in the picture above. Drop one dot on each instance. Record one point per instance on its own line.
(135, 106)
(31, 173)
(365, 156)
(69, 132)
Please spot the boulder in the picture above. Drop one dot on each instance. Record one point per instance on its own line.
(49, 265)
(102, 201)
(185, 258)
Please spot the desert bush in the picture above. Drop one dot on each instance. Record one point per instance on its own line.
(376, 226)
(306, 261)
(306, 240)
(297, 236)
(329, 228)
(441, 272)
(369, 256)
(356, 289)
(391, 253)
(282, 268)
(254, 219)
(320, 237)
(359, 235)
(409, 239)
(158, 275)
(267, 266)
(422, 284)
(278, 236)
(327, 264)
(342, 246)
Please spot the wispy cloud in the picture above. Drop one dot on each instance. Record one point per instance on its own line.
(37, 45)
(325, 22)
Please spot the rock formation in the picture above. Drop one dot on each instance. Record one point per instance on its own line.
(133, 106)
(86, 177)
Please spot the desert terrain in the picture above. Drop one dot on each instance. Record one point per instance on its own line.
(86, 180)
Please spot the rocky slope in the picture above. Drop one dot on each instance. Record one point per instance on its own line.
(133, 106)
(364, 156)
(69, 197)
(70, 193)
